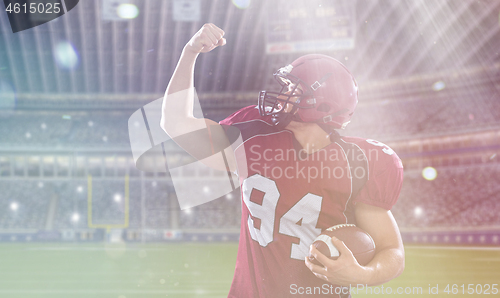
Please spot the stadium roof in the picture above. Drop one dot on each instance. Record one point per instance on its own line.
(87, 52)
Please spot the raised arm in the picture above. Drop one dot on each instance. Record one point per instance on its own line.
(198, 137)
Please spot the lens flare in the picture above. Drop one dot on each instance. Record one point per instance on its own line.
(241, 4)
(127, 11)
(117, 197)
(438, 86)
(429, 173)
(14, 206)
(75, 217)
(418, 211)
(66, 56)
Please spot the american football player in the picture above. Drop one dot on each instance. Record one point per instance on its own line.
(298, 176)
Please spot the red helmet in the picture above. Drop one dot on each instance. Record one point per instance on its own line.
(329, 92)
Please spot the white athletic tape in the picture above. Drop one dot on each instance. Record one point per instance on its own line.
(328, 241)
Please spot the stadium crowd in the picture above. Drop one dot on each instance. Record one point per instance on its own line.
(56, 129)
(151, 205)
(416, 115)
(460, 196)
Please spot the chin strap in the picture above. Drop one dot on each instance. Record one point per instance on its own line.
(332, 133)
(329, 118)
(334, 136)
(281, 120)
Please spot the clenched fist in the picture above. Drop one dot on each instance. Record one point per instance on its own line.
(206, 39)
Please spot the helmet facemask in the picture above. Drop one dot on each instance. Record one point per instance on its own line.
(299, 96)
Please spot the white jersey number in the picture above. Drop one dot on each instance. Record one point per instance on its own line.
(264, 212)
(386, 149)
(300, 221)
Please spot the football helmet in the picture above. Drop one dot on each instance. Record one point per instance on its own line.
(319, 88)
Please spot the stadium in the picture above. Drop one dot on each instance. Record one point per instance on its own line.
(80, 216)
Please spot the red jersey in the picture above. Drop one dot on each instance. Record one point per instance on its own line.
(289, 197)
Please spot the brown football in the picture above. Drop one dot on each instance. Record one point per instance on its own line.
(357, 240)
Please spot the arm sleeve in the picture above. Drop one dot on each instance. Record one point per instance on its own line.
(245, 114)
(208, 141)
(384, 184)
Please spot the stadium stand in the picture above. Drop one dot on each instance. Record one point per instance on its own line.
(19, 208)
(424, 116)
(461, 196)
(63, 129)
(417, 115)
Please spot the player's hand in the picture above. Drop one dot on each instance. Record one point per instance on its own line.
(344, 271)
(206, 39)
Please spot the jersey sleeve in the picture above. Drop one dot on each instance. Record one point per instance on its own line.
(243, 115)
(385, 176)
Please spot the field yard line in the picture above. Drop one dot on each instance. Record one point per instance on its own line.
(487, 259)
(75, 273)
(198, 291)
(96, 248)
(456, 247)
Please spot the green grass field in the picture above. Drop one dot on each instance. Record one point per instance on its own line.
(206, 269)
